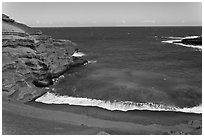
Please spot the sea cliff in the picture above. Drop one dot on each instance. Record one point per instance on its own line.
(31, 60)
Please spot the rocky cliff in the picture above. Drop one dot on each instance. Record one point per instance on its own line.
(31, 60)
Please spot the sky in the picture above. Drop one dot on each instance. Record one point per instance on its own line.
(67, 14)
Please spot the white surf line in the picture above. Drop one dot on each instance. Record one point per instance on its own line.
(51, 98)
(180, 38)
(92, 61)
(81, 54)
(191, 46)
(171, 41)
(78, 54)
(181, 44)
(190, 37)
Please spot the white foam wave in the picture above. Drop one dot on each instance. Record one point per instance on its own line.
(174, 37)
(191, 46)
(190, 37)
(171, 41)
(55, 80)
(187, 37)
(78, 54)
(92, 61)
(51, 98)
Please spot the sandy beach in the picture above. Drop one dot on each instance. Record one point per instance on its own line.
(64, 119)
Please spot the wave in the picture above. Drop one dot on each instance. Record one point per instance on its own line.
(78, 54)
(55, 80)
(171, 41)
(191, 46)
(175, 40)
(51, 98)
(92, 61)
(174, 37)
(81, 54)
(190, 37)
(186, 37)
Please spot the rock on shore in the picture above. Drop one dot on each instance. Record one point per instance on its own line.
(30, 60)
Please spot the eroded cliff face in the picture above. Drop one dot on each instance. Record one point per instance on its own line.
(30, 60)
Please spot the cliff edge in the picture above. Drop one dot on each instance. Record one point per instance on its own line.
(30, 60)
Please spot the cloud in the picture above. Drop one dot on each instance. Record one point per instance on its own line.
(124, 21)
(37, 22)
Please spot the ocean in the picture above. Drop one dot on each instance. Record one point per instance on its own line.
(131, 68)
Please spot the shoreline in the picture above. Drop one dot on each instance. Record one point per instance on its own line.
(33, 62)
(144, 117)
(96, 119)
(52, 98)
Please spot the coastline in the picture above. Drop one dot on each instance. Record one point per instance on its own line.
(52, 98)
(96, 119)
(20, 111)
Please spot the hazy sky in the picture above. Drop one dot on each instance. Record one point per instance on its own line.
(105, 14)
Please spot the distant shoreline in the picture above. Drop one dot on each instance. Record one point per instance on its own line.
(36, 27)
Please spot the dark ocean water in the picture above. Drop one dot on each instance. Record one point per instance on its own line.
(132, 65)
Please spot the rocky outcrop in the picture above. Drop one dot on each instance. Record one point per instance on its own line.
(31, 60)
(6, 18)
(191, 41)
(194, 41)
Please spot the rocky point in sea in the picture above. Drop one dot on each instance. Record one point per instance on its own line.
(31, 60)
(191, 41)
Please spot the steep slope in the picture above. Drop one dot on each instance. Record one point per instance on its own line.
(30, 60)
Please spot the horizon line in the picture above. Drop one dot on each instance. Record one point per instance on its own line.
(115, 26)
